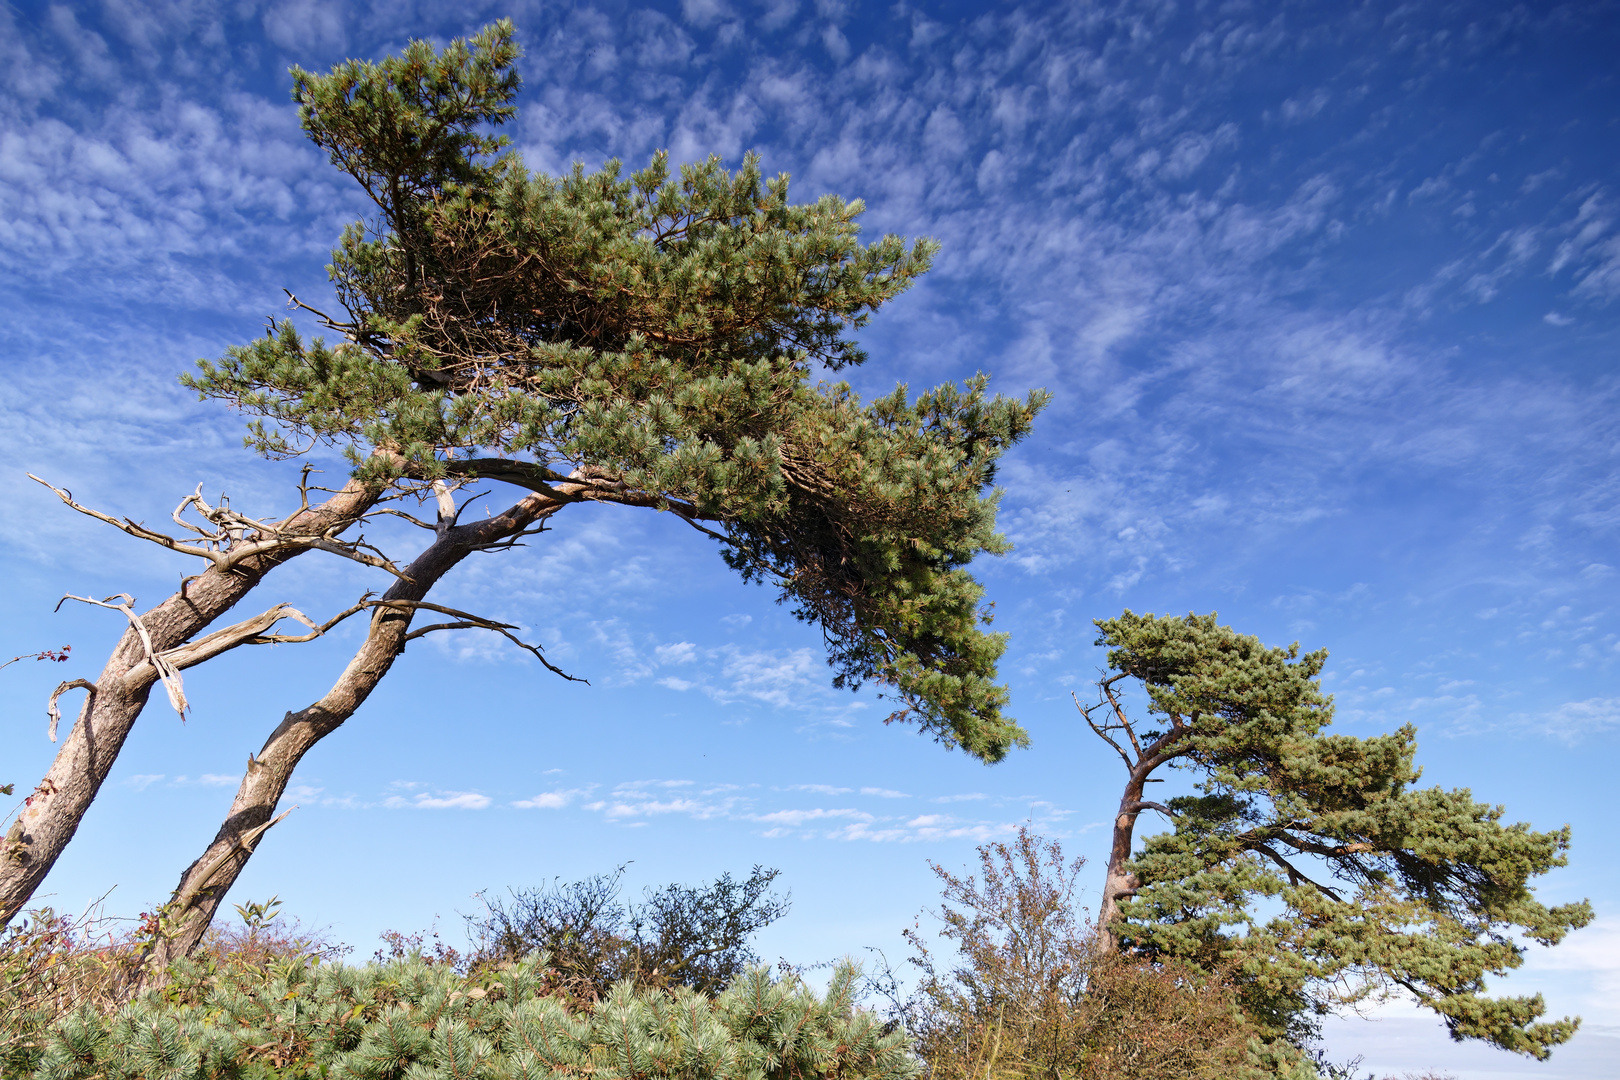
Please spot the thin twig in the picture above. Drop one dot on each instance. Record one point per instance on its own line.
(468, 621)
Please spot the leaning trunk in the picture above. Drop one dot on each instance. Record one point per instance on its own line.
(1121, 883)
(205, 882)
(52, 814)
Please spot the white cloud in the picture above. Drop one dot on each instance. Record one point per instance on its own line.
(640, 802)
(1575, 720)
(704, 12)
(442, 800)
(795, 818)
(305, 26)
(681, 652)
(696, 808)
(1298, 109)
(552, 800)
(925, 829)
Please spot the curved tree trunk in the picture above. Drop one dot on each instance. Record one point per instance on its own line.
(203, 886)
(52, 814)
(1140, 761)
(1120, 884)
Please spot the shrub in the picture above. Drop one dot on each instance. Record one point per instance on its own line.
(51, 965)
(427, 1022)
(1034, 994)
(680, 935)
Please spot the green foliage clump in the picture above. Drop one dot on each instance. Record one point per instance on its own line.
(657, 335)
(412, 1020)
(1311, 864)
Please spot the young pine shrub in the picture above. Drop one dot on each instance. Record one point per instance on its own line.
(62, 978)
(51, 966)
(421, 1021)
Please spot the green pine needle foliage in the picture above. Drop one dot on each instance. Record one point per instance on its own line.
(1312, 863)
(663, 331)
(413, 1020)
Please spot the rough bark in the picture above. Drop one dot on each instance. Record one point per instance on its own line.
(205, 882)
(52, 814)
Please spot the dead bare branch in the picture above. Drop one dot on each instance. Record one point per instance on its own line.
(236, 537)
(245, 843)
(1294, 875)
(473, 622)
(50, 706)
(1107, 687)
(167, 672)
(1102, 732)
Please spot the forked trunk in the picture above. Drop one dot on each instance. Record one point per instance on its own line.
(203, 886)
(52, 814)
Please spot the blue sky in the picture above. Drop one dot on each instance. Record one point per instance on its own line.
(1326, 295)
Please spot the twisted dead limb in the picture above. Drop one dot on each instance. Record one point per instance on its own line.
(205, 882)
(234, 538)
(242, 551)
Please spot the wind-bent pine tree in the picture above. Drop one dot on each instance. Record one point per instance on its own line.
(649, 340)
(654, 336)
(1310, 864)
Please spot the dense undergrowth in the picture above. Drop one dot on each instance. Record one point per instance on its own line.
(1024, 992)
(298, 1018)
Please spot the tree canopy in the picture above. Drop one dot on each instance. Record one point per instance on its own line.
(1311, 863)
(658, 335)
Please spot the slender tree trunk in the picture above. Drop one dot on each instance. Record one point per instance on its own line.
(203, 886)
(1120, 883)
(52, 814)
